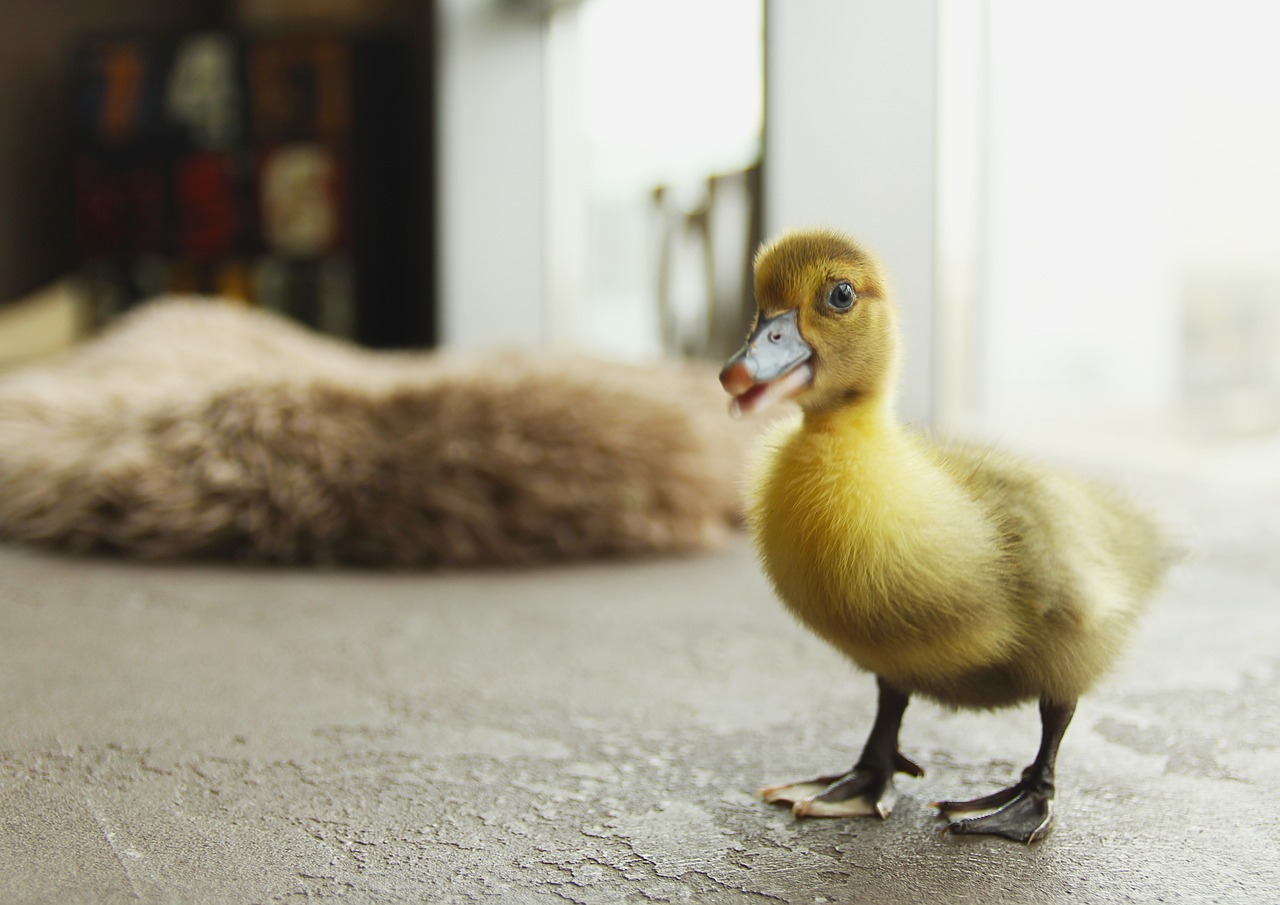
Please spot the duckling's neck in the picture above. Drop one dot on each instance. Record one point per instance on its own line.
(865, 413)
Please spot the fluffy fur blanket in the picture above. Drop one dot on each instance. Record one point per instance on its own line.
(198, 428)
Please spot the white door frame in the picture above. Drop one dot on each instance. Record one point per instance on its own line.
(870, 127)
(852, 142)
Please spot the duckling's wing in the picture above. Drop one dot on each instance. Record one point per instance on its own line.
(1071, 545)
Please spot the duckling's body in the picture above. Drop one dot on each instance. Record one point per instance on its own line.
(956, 573)
(949, 571)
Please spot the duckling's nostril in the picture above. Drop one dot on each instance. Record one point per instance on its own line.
(775, 336)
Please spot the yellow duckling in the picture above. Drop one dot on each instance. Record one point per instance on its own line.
(952, 572)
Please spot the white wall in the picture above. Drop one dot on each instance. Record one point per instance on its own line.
(1079, 314)
(850, 136)
(491, 175)
(1132, 235)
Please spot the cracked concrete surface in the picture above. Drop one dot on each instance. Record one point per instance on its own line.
(594, 734)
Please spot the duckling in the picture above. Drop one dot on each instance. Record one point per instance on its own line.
(957, 573)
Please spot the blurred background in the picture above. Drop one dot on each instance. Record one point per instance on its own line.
(1079, 204)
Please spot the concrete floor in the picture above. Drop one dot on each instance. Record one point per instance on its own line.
(594, 734)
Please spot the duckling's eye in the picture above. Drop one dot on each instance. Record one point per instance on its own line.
(841, 297)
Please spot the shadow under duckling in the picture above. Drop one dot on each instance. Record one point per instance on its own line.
(953, 572)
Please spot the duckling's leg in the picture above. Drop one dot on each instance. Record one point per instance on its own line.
(1024, 811)
(867, 789)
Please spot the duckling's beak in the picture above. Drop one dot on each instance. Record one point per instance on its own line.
(773, 366)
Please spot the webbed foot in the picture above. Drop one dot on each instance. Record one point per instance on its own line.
(1023, 813)
(865, 791)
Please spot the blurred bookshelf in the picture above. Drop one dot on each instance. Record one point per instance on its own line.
(274, 152)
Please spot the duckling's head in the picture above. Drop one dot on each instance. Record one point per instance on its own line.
(825, 331)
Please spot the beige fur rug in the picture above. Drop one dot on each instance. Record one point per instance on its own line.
(199, 428)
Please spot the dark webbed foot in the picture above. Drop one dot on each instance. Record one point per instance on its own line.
(865, 791)
(1023, 813)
